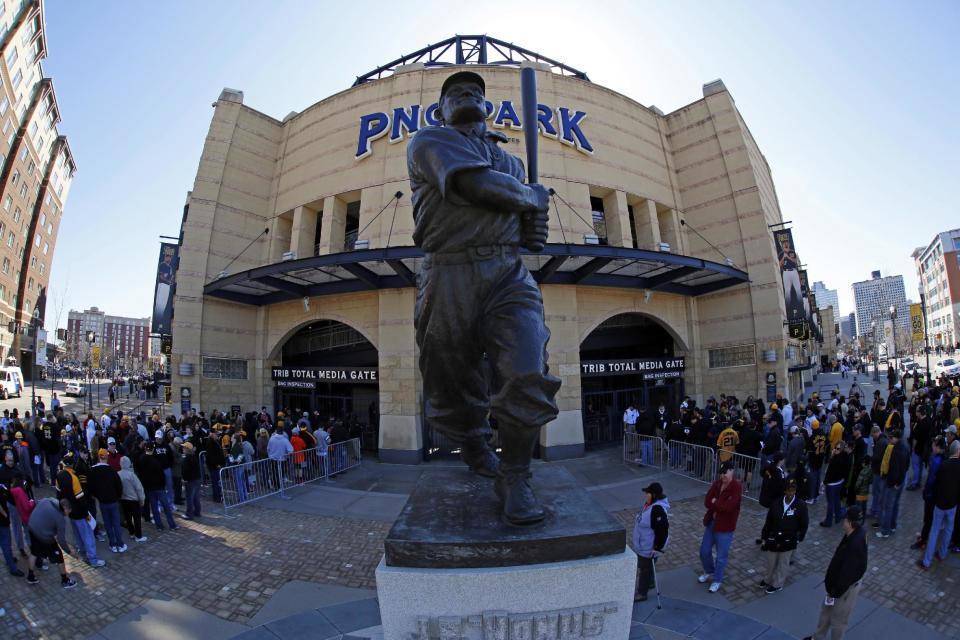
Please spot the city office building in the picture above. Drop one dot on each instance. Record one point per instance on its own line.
(660, 277)
(124, 342)
(826, 298)
(938, 272)
(848, 326)
(36, 169)
(873, 299)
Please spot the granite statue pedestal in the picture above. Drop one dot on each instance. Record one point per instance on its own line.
(453, 570)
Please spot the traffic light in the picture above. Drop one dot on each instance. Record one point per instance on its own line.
(91, 336)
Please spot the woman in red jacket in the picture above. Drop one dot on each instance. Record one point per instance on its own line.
(720, 521)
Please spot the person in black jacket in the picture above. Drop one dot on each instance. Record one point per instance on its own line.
(772, 443)
(215, 461)
(946, 496)
(773, 479)
(190, 472)
(785, 527)
(105, 485)
(921, 434)
(155, 485)
(833, 482)
(842, 582)
(897, 463)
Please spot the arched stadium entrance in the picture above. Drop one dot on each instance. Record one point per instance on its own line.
(330, 368)
(630, 358)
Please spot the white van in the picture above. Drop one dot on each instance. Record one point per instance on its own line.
(11, 382)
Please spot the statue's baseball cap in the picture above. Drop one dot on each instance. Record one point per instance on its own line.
(462, 76)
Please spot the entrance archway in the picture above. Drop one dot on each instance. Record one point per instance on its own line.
(330, 368)
(629, 359)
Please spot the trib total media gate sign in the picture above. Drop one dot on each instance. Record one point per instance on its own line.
(649, 368)
(309, 377)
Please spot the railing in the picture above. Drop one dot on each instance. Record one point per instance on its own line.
(747, 470)
(251, 481)
(204, 471)
(647, 451)
(693, 461)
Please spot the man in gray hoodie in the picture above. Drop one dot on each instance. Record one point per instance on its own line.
(48, 540)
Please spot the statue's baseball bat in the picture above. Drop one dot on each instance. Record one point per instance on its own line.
(531, 127)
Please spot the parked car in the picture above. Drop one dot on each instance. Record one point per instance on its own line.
(11, 382)
(948, 366)
(75, 389)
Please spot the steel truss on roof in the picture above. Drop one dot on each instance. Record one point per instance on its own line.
(395, 268)
(470, 50)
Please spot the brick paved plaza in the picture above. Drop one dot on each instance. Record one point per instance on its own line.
(230, 566)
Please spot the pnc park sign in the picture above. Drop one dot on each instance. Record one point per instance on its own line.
(561, 124)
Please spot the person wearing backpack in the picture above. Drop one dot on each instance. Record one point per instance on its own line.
(651, 532)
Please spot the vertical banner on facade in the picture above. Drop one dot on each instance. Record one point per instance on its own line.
(40, 355)
(789, 271)
(916, 322)
(163, 294)
(888, 338)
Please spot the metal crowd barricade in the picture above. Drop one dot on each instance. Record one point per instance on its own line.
(647, 451)
(746, 470)
(344, 456)
(691, 460)
(251, 481)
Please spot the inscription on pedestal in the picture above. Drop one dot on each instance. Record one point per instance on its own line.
(565, 624)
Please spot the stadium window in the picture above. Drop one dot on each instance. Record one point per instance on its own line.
(599, 222)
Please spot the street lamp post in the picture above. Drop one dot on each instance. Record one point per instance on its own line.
(876, 353)
(893, 322)
(926, 337)
(35, 326)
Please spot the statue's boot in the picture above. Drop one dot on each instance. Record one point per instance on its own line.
(520, 503)
(480, 457)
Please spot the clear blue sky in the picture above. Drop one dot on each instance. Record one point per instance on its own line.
(852, 103)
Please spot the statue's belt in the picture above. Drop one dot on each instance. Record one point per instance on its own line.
(472, 254)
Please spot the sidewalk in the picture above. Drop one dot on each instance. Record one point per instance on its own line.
(270, 572)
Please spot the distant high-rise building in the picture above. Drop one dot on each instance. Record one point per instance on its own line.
(124, 342)
(873, 299)
(848, 326)
(36, 169)
(826, 298)
(938, 271)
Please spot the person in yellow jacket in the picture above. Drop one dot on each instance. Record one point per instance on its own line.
(836, 433)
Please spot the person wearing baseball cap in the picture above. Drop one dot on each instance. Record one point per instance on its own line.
(651, 531)
(842, 581)
(720, 521)
(785, 527)
(106, 486)
(471, 204)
